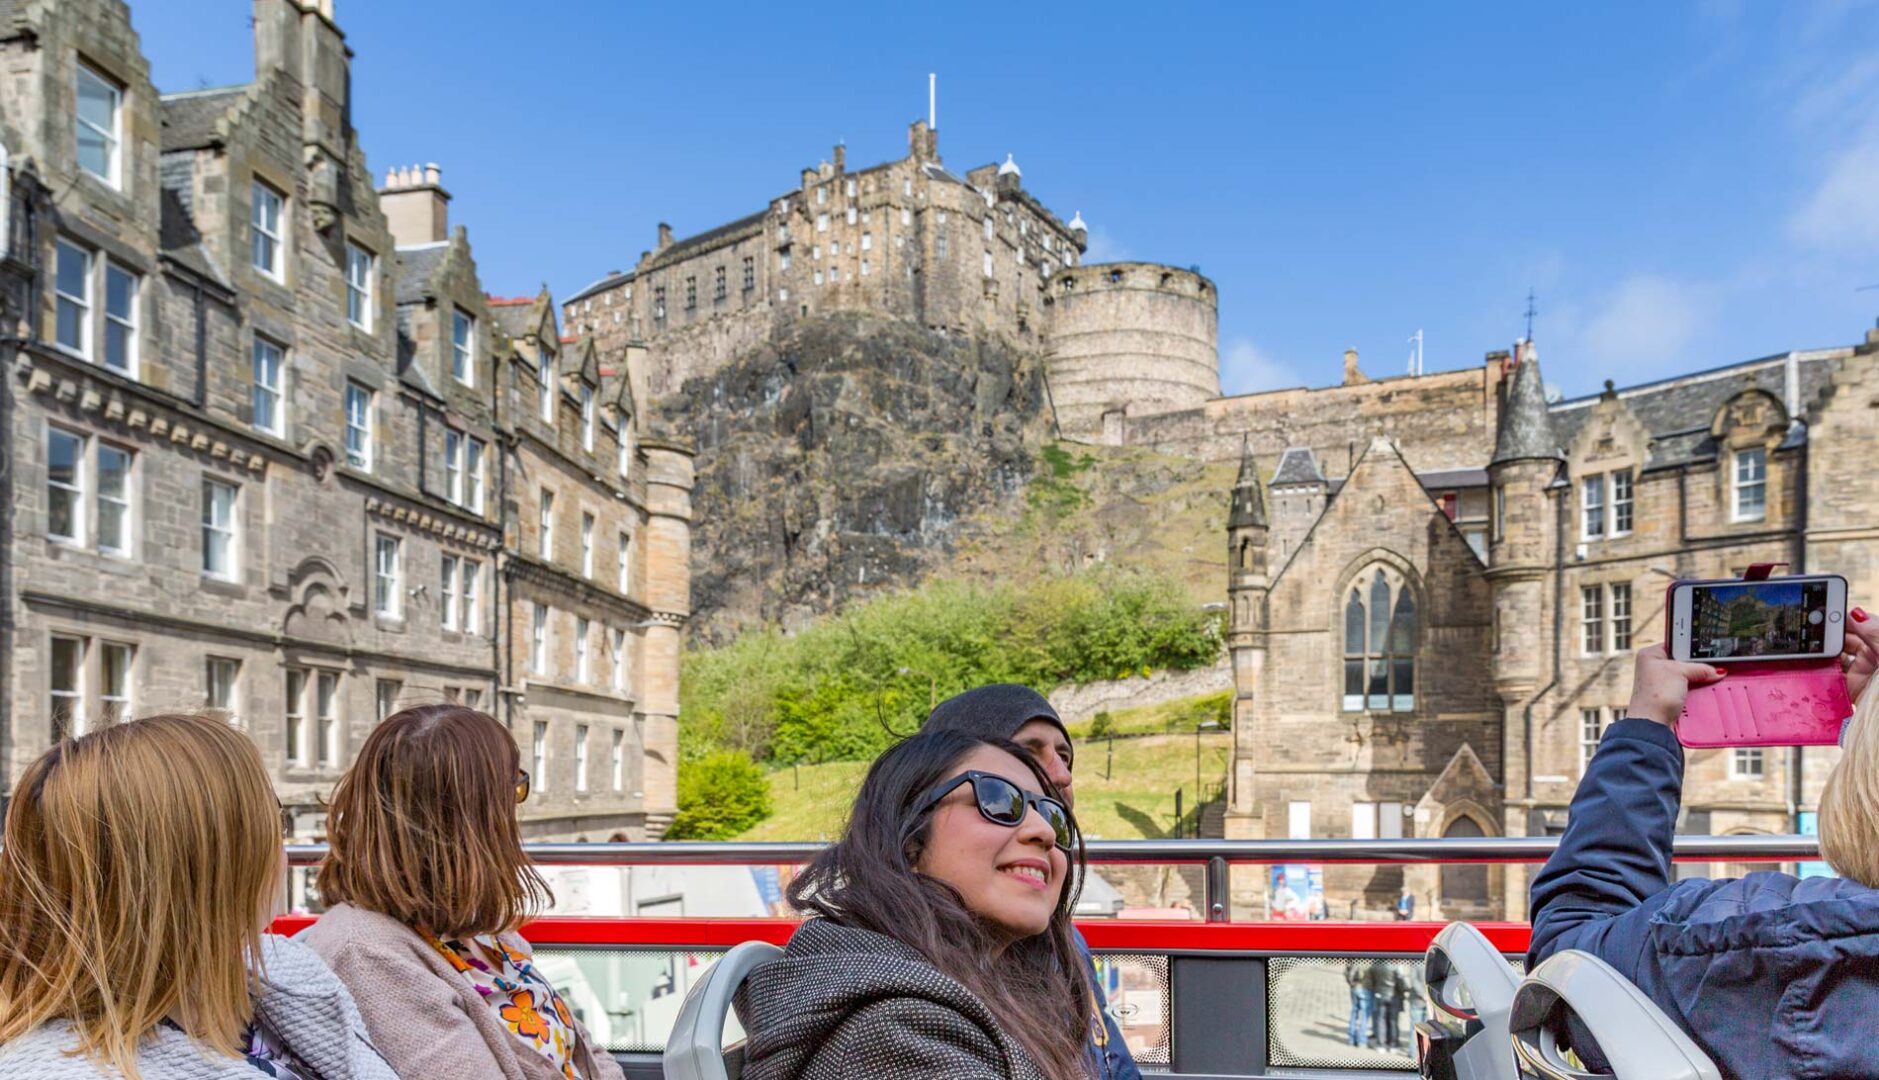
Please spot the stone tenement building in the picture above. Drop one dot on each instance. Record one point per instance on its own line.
(1428, 641)
(272, 451)
(971, 255)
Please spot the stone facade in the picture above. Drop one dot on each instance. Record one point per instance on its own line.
(975, 255)
(267, 453)
(1431, 642)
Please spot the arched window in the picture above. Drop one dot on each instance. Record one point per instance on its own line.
(1380, 632)
(1464, 882)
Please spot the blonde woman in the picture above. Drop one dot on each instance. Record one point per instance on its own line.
(1772, 975)
(428, 883)
(140, 865)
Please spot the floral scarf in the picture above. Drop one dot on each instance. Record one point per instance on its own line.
(526, 1002)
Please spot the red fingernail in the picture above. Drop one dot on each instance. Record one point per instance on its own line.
(1859, 615)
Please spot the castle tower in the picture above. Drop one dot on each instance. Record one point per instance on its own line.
(1527, 500)
(1248, 581)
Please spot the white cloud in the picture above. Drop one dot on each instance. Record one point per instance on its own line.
(1842, 214)
(1648, 322)
(1105, 248)
(1246, 369)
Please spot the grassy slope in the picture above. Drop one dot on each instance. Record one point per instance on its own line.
(1136, 802)
(1124, 506)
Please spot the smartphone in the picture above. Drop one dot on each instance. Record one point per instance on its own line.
(1736, 622)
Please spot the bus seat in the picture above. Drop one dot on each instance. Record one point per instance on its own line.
(695, 1050)
(1636, 1037)
(1468, 979)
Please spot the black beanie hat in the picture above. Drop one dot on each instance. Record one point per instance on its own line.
(996, 711)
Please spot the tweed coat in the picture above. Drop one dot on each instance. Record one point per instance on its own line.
(423, 1013)
(843, 1003)
(299, 999)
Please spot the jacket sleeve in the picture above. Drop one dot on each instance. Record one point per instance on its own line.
(911, 1037)
(1611, 871)
(415, 1020)
(1112, 1057)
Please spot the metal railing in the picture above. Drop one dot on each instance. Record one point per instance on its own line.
(1215, 855)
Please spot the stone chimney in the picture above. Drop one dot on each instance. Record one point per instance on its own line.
(841, 157)
(1352, 374)
(665, 237)
(416, 206)
(922, 142)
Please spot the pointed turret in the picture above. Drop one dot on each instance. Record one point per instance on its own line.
(1526, 428)
(1249, 496)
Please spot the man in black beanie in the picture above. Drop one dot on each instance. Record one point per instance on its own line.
(1021, 714)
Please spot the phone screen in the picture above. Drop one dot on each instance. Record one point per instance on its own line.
(1758, 619)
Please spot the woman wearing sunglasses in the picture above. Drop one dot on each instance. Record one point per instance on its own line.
(428, 883)
(939, 939)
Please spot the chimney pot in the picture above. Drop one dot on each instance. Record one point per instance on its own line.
(432, 174)
(416, 206)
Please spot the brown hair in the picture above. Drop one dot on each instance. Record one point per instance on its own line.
(423, 826)
(139, 865)
(1849, 804)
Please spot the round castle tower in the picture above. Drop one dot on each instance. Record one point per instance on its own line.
(1128, 339)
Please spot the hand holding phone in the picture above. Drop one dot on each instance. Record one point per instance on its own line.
(1781, 640)
(1659, 685)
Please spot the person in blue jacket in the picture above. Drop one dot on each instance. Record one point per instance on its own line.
(1021, 714)
(1773, 976)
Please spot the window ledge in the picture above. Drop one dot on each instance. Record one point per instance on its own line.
(225, 586)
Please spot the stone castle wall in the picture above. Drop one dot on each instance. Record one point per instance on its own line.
(1130, 338)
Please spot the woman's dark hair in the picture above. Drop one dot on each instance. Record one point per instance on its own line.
(1037, 988)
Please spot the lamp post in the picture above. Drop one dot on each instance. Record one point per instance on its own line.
(932, 687)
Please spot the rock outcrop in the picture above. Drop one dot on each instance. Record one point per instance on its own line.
(843, 456)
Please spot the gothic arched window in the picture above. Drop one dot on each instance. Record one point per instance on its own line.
(1380, 633)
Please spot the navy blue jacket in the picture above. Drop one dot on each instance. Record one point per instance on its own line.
(1109, 1056)
(1773, 976)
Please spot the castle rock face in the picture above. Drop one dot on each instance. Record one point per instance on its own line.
(841, 457)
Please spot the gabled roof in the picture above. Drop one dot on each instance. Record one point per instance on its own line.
(1677, 412)
(190, 117)
(416, 265)
(1298, 465)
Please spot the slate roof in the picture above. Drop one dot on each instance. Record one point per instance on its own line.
(605, 283)
(1526, 429)
(1677, 412)
(415, 267)
(710, 238)
(189, 117)
(514, 319)
(1249, 499)
(1298, 465)
(181, 240)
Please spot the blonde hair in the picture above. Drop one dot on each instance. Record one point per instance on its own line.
(1849, 805)
(139, 864)
(423, 826)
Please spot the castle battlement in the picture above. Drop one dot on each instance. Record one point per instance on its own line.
(910, 238)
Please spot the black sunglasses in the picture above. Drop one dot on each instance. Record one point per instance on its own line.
(1002, 802)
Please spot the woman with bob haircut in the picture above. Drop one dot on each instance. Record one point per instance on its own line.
(1772, 975)
(939, 939)
(428, 882)
(141, 864)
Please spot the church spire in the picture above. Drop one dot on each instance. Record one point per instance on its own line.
(1526, 428)
(1249, 497)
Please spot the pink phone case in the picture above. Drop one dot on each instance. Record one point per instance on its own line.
(1777, 703)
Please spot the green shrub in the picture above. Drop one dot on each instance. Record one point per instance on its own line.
(721, 794)
(1100, 724)
(847, 687)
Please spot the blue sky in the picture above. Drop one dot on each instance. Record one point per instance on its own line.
(1683, 185)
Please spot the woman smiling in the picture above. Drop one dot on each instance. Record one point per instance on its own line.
(939, 939)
